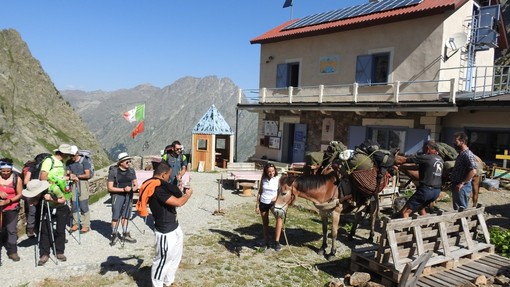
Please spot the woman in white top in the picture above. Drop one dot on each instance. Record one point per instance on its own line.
(266, 197)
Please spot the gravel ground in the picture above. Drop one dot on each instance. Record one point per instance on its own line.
(94, 254)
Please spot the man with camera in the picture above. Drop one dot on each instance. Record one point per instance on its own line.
(175, 158)
(163, 197)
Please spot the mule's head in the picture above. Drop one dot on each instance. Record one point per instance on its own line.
(286, 195)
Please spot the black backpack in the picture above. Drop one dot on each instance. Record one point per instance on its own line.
(35, 170)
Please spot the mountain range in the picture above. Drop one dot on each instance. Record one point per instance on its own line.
(171, 113)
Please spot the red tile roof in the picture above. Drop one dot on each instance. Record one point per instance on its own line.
(425, 8)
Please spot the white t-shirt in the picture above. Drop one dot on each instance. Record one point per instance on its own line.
(269, 190)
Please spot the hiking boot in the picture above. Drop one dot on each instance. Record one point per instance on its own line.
(127, 238)
(84, 230)
(74, 228)
(114, 239)
(30, 233)
(14, 257)
(42, 260)
(277, 246)
(61, 257)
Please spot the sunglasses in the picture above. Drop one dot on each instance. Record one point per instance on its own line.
(177, 149)
(127, 161)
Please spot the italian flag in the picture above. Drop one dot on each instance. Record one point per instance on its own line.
(135, 115)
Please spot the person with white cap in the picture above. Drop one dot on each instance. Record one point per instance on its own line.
(11, 186)
(80, 167)
(121, 184)
(53, 171)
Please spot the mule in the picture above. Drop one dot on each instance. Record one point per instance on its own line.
(322, 191)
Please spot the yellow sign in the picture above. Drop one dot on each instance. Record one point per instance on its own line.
(503, 156)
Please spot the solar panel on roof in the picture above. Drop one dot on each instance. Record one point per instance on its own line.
(349, 12)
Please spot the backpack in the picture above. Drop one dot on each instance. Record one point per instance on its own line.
(26, 168)
(88, 155)
(36, 167)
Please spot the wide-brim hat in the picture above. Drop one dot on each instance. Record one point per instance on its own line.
(65, 149)
(123, 156)
(35, 187)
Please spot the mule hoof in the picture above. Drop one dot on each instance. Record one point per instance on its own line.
(321, 251)
(330, 256)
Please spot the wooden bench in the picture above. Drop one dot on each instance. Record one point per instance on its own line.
(455, 239)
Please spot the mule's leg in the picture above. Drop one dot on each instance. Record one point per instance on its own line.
(476, 188)
(335, 221)
(324, 221)
(374, 213)
(357, 220)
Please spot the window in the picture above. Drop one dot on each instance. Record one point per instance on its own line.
(287, 75)
(202, 144)
(389, 138)
(373, 69)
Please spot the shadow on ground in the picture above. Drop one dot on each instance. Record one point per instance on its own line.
(130, 265)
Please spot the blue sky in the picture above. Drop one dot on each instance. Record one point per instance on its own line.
(113, 44)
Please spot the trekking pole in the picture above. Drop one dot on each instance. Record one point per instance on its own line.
(131, 217)
(50, 229)
(39, 232)
(77, 189)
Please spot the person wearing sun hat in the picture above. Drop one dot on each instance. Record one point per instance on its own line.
(79, 166)
(121, 184)
(11, 186)
(53, 171)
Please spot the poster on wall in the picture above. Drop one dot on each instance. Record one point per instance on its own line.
(274, 142)
(328, 64)
(271, 128)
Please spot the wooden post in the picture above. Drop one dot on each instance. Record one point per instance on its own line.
(504, 157)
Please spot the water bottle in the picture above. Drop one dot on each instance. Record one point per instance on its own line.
(68, 187)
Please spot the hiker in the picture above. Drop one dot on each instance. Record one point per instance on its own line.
(266, 197)
(53, 171)
(176, 160)
(163, 198)
(462, 172)
(79, 168)
(121, 184)
(33, 206)
(430, 165)
(11, 186)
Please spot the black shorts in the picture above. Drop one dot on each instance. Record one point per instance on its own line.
(265, 207)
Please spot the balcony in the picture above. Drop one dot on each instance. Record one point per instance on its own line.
(463, 84)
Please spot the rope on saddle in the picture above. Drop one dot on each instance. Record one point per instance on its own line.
(327, 206)
(366, 181)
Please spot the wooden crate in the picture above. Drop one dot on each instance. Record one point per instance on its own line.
(453, 237)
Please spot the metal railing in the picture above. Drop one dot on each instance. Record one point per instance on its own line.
(485, 81)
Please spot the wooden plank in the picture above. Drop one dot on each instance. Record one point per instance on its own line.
(453, 273)
(467, 234)
(497, 259)
(394, 249)
(441, 280)
(430, 282)
(444, 238)
(490, 270)
(475, 273)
